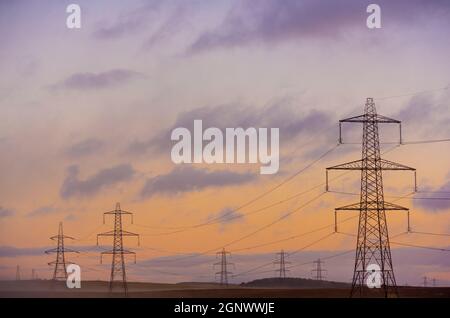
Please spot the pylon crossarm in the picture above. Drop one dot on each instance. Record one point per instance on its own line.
(109, 233)
(390, 165)
(392, 207)
(126, 233)
(352, 165)
(61, 236)
(117, 212)
(375, 119)
(371, 206)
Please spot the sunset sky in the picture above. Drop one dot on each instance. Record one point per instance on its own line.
(87, 116)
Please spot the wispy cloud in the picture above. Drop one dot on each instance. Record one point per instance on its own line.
(4, 213)
(187, 178)
(226, 216)
(45, 210)
(74, 187)
(432, 203)
(92, 81)
(281, 114)
(129, 22)
(84, 148)
(273, 21)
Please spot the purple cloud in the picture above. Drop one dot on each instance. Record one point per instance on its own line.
(226, 216)
(4, 213)
(273, 21)
(187, 178)
(84, 147)
(91, 81)
(282, 115)
(129, 22)
(45, 210)
(433, 203)
(74, 187)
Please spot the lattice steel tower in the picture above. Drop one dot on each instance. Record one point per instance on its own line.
(60, 272)
(281, 260)
(372, 246)
(318, 270)
(118, 272)
(223, 266)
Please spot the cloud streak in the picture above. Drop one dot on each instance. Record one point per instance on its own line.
(74, 187)
(281, 114)
(4, 213)
(187, 178)
(273, 21)
(84, 148)
(433, 204)
(92, 81)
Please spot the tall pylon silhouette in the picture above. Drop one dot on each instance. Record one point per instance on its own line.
(223, 266)
(59, 272)
(372, 246)
(17, 272)
(281, 260)
(318, 270)
(118, 272)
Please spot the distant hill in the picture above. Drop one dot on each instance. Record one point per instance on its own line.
(291, 282)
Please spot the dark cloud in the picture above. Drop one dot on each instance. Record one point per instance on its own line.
(45, 210)
(433, 204)
(187, 178)
(10, 251)
(85, 147)
(4, 213)
(92, 81)
(130, 22)
(426, 114)
(281, 114)
(226, 216)
(71, 217)
(272, 21)
(74, 187)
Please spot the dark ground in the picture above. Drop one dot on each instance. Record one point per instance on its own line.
(257, 289)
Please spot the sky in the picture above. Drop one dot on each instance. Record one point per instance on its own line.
(87, 116)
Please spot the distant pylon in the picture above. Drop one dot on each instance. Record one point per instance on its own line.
(60, 272)
(33, 274)
(318, 270)
(425, 281)
(281, 260)
(372, 245)
(118, 272)
(223, 267)
(17, 272)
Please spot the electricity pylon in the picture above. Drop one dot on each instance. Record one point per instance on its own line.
(281, 260)
(372, 245)
(60, 272)
(118, 253)
(33, 274)
(17, 272)
(223, 267)
(318, 270)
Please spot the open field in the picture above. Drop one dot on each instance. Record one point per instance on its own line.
(96, 289)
